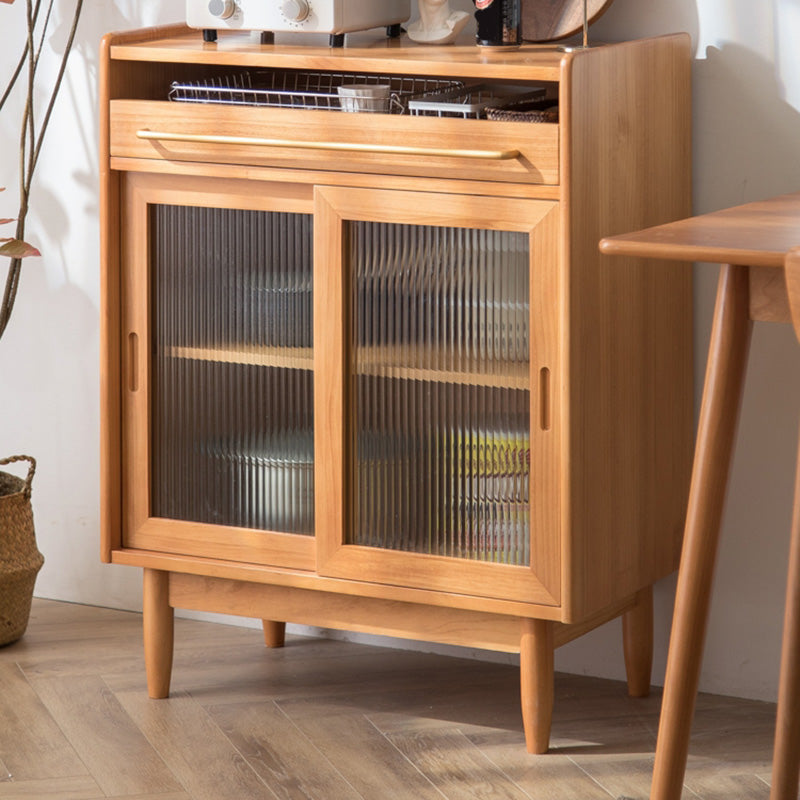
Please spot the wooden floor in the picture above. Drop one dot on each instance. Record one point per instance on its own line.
(327, 720)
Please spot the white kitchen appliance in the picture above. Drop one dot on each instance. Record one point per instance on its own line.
(334, 17)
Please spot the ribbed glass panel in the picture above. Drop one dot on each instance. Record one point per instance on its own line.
(232, 397)
(441, 391)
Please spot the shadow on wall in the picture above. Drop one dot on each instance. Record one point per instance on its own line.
(746, 148)
(746, 134)
(635, 19)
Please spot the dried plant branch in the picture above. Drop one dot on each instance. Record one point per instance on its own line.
(30, 139)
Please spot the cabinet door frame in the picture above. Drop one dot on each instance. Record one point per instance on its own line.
(141, 530)
(336, 206)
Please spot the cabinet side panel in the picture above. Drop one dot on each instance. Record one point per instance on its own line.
(630, 398)
(110, 410)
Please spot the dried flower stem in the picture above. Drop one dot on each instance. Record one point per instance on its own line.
(31, 138)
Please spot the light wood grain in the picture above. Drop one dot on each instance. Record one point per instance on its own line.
(254, 573)
(205, 762)
(610, 353)
(536, 682)
(274, 633)
(363, 54)
(537, 144)
(62, 788)
(380, 770)
(280, 753)
(460, 185)
(637, 643)
(719, 412)
(109, 364)
(334, 206)
(540, 778)
(32, 746)
(628, 327)
(768, 298)
(454, 767)
(142, 531)
(386, 617)
(158, 625)
(757, 234)
(116, 753)
(264, 704)
(786, 762)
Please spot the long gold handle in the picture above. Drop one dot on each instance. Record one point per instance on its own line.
(389, 149)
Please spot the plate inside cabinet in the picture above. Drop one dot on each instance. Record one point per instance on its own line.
(546, 20)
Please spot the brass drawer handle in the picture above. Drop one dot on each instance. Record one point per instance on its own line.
(395, 150)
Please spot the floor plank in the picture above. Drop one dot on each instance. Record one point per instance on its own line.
(32, 745)
(365, 757)
(281, 754)
(205, 761)
(113, 749)
(66, 788)
(540, 777)
(455, 766)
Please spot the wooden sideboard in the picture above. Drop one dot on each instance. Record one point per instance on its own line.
(369, 370)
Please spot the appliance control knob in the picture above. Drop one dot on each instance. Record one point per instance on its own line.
(295, 10)
(221, 8)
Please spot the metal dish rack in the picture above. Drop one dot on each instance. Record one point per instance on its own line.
(306, 90)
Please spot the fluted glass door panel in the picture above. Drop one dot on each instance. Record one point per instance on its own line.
(440, 387)
(231, 381)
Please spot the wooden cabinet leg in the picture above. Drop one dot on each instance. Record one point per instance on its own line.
(719, 413)
(786, 759)
(274, 633)
(158, 632)
(536, 682)
(637, 643)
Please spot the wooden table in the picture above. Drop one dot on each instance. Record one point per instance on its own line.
(750, 242)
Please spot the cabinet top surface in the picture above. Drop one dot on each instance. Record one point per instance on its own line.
(364, 51)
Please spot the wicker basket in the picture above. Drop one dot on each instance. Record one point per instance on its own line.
(525, 111)
(20, 560)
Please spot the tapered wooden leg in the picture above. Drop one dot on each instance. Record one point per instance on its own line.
(158, 632)
(637, 643)
(719, 413)
(536, 682)
(786, 759)
(274, 633)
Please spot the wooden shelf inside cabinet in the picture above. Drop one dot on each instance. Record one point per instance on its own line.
(590, 432)
(279, 357)
(393, 362)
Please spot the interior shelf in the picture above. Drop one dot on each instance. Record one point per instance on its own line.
(393, 362)
(280, 357)
(388, 362)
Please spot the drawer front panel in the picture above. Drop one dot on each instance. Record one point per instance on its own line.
(375, 143)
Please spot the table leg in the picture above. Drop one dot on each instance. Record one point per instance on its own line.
(719, 413)
(786, 759)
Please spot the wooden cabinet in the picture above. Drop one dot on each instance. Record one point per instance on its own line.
(369, 371)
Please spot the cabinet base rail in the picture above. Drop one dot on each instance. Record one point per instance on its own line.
(534, 639)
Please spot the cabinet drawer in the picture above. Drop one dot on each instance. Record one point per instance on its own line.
(379, 143)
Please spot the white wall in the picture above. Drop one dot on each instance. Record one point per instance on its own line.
(746, 146)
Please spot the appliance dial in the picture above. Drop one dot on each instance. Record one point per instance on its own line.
(221, 8)
(295, 10)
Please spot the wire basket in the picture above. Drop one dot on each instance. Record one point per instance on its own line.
(306, 90)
